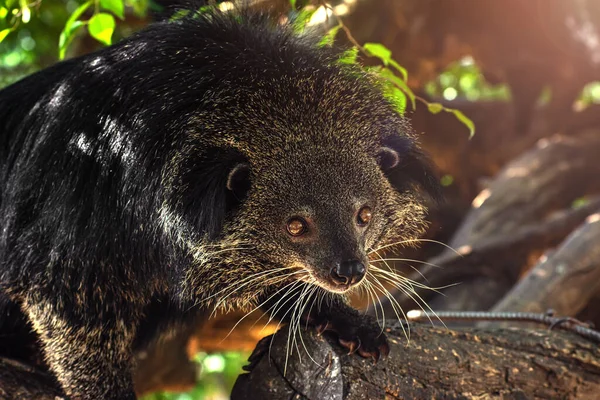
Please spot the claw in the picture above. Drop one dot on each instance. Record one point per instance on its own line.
(361, 336)
(376, 356)
(322, 327)
(359, 344)
(364, 353)
(385, 350)
(351, 345)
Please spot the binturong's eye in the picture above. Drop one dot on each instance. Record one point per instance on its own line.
(296, 226)
(364, 216)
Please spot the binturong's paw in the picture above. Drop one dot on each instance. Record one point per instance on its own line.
(358, 333)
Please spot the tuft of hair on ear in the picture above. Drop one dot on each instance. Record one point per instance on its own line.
(388, 158)
(406, 165)
(238, 180)
(211, 187)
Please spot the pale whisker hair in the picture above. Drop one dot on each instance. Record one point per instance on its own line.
(257, 307)
(408, 260)
(407, 288)
(412, 241)
(401, 279)
(393, 302)
(246, 281)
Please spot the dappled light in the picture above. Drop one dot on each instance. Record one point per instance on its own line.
(280, 199)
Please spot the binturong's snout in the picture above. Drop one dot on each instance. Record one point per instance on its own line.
(348, 273)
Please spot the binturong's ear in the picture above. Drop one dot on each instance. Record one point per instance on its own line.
(238, 181)
(407, 166)
(212, 186)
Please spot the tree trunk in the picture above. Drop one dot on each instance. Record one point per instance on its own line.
(436, 363)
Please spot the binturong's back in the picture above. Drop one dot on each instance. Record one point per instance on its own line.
(220, 161)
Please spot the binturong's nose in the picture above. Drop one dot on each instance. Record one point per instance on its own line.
(348, 272)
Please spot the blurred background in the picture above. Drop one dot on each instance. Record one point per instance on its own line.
(525, 73)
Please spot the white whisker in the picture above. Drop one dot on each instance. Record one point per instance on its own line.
(255, 308)
(394, 303)
(407, 260)
(407, 241)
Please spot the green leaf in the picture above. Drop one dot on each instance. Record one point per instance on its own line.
(349, 56)
(385, 55)
(389, 75)
(380, 51)
(101, 27)
(25, 11)
(141, 7)
(66, 36)
(301, 18)
(400, 69)
(77, 13)
(397, 97)
(435, 108)
(447, 180)
(114, 6)
(65, 39)
(579, 202)
(293, 4)
(466, 121)
(3, 34)
(329, 37)
(180, 14)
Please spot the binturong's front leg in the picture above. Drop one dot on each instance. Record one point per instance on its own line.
(357, 332)
(90, 356)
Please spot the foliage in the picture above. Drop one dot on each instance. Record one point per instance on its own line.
(590, 95)
(36, 33)
(101, 24)
(392, 75)
(20, 54)
(28, 39)
(218, 373)
(463, 79)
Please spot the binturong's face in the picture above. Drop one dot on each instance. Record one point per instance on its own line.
(304, 181)
(323, 211)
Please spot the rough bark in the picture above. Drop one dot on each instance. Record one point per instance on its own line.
(547, 178)
(525, 211)
(492, 265)
(565, 280)
(435, 363)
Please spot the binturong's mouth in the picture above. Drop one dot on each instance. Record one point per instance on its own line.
(342, 277)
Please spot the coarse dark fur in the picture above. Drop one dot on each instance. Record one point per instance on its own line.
(155, 178)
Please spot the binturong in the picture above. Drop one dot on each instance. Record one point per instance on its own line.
(217, 161)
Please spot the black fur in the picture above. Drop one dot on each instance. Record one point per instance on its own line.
(411, 167)
(112, 163)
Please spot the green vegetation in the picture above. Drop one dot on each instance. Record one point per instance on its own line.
(590, 94)
(37, 33)
(463, 79)
(215, 381)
